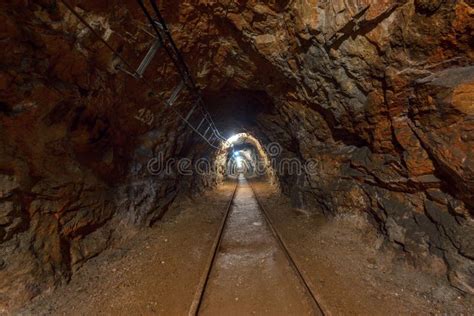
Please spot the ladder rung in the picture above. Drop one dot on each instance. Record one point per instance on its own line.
(212, 138)
(121, 68)
(159, 25)
(202, 121)
(191, 111)
(216, 140)
(165, 39)
(175, 94)
(148, 57)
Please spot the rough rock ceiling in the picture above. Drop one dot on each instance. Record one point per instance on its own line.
(379, 92)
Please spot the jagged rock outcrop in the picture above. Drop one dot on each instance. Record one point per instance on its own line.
(381, 95)
(72, 154)
(379, 92)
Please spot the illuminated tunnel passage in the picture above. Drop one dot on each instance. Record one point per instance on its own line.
(246, 156)
(251, 272)
(344, 128)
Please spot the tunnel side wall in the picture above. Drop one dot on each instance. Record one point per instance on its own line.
(378, 92)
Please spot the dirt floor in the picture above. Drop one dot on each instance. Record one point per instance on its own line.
(158, 270)
(251, 274)
(155, 272)
(344, 263)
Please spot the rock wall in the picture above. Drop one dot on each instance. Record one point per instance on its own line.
(76, 136)
(379, 92)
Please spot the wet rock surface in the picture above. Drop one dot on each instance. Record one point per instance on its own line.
(378, 92)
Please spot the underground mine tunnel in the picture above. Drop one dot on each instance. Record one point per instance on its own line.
(282, 157)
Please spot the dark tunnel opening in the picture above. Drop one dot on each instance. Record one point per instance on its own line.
(237, 111)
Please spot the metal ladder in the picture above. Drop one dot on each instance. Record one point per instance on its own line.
(206, 128)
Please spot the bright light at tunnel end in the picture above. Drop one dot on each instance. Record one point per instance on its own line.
(235, 139)
(238, 161)
(271, 153)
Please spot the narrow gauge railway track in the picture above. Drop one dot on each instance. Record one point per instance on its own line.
(201, 291)
(199, 296)
(314, 296)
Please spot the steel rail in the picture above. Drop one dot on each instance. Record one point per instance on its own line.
(199, 295)
(314, 297)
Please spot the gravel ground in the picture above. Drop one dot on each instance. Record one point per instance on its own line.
(344, 261)
(155, 272)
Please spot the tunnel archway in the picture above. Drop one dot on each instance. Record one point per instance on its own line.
(378, 95)
(242, 153)
(238, 110)
(238, 114)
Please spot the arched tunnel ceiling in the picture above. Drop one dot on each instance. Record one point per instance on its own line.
(378, 92)
(237, 111)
